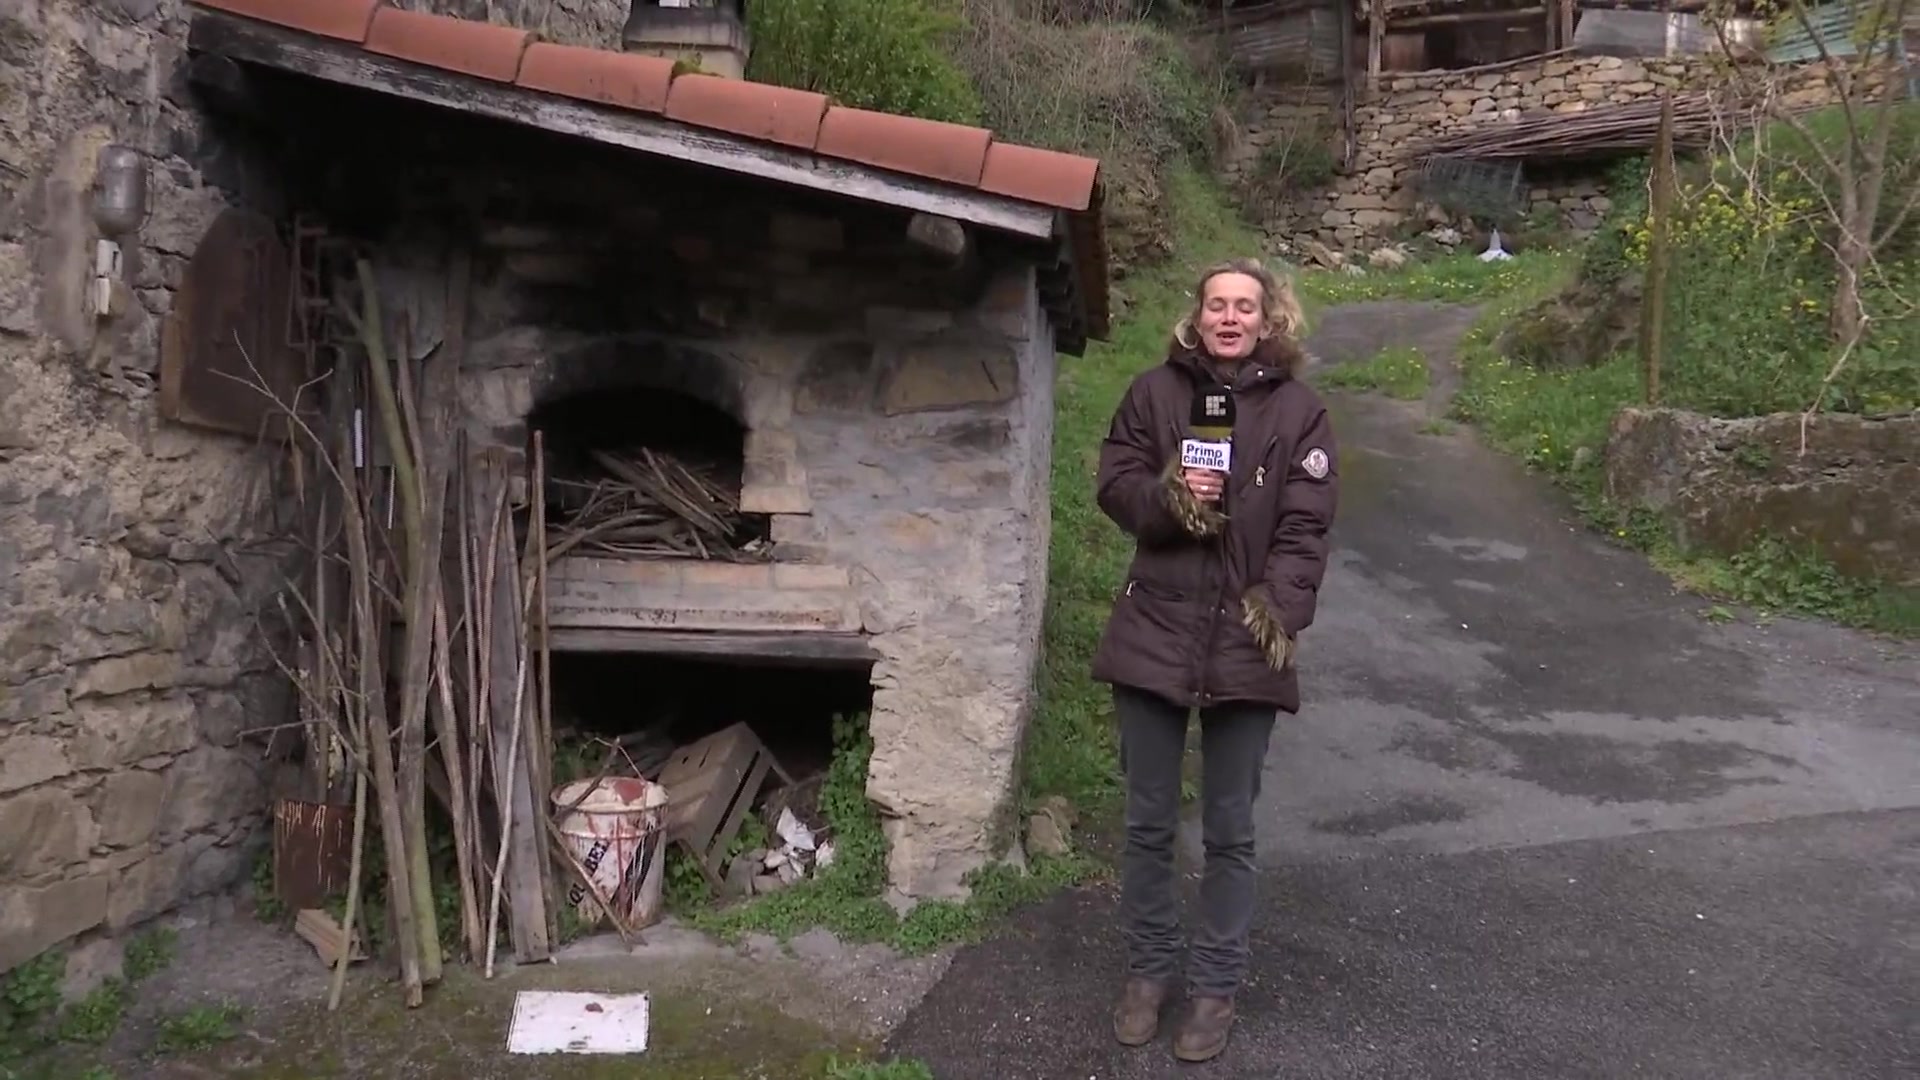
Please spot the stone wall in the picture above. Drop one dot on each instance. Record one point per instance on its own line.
(1854, 494)
(1377, 199)
(1270, 118)
(133, 552)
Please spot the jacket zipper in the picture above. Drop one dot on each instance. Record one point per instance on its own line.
(1219, 606)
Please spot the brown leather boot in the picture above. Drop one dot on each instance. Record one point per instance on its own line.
(1136, 1020)
(1203, 1032)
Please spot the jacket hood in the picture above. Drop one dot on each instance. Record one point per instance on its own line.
(1274, 359)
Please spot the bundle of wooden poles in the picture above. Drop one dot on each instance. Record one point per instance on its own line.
(421, 666)
(1597, 132)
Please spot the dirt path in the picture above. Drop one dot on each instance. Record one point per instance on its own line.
(1538, 817)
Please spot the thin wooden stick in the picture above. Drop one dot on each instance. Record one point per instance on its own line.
(372, 691)
(504, 786)
(543, 742)
(337, 984)
(420, 569)
(599, 895)
(473, 617)
(448, 724)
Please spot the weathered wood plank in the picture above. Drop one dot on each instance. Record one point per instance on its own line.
(1376, 43)
(348, 65)
(852, 650)
(526, 837)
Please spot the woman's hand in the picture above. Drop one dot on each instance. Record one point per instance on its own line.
(1205, 484)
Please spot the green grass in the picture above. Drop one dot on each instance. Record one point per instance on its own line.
(32, 1020)
(845, 897)
(1398, 372)
(149, 953)
(892, 1070)
(29, 996)
(202, 1027)
(1557, 419)
(1456, 278)
(94, 1018)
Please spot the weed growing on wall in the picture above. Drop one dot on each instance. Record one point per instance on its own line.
(29, 994)
(31, 1019)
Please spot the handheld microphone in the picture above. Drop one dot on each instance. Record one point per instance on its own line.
(1211, 425)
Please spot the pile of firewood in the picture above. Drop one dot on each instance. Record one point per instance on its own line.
(648, 504)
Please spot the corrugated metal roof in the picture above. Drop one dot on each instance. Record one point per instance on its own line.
(1797, 40)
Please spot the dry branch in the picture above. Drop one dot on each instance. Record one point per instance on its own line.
(649, 504)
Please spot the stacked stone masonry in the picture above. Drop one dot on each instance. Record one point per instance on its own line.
(1847, 486)
(134, 553)
(1376, 199)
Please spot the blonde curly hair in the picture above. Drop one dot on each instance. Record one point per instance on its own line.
(1279, 307)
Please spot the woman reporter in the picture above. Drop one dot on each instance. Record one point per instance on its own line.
(1225, 575)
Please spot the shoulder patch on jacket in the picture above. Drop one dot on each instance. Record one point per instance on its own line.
(1315, 463)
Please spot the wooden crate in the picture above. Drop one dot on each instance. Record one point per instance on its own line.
(711, 786)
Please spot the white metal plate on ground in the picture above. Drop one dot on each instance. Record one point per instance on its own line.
(553, 1022)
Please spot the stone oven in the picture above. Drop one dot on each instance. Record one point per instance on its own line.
(850, 320)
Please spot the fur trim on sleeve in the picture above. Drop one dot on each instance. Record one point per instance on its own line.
(1198, 518)
(1260, 618)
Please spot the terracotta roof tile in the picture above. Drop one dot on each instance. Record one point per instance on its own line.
(755, 110)
(346, 20)
(626, 80)
(949, 153)
(471, 48)
(937, 151)
(1043, 176)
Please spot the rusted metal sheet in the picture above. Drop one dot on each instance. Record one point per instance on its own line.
(312, 851)
(1299, 38)
(225, 360)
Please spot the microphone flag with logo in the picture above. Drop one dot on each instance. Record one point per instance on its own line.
(1211, 426)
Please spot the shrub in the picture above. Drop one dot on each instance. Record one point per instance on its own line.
(1748, 319)
(1303, 160)
(888, 55)
(1751, 275)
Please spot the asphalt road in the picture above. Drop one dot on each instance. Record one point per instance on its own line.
(1538, 819)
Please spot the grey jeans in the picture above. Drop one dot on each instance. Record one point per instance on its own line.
(1233, 748)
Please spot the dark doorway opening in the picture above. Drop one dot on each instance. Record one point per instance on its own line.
(650, 704)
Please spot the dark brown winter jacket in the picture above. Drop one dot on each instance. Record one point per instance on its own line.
(1218, 593)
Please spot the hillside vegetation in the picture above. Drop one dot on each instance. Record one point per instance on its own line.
(1748, 333)
(1753, 275)
(1110, 78)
